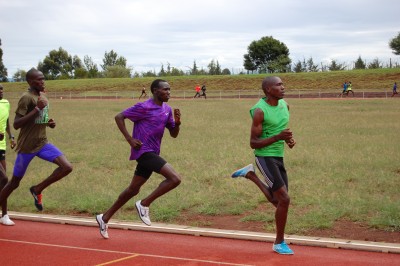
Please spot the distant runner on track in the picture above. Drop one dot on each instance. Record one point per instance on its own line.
(144, 94)
(394, 89)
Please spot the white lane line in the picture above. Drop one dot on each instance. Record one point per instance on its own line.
(231, 234)
(122, 252)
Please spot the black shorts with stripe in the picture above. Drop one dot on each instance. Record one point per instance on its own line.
(274, 172)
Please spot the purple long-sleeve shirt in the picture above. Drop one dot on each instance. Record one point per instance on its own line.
(150, 121)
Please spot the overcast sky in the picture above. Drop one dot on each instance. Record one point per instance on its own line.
(149, 33)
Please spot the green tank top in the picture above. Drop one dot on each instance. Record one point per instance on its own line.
(4, 113)
(276, 119)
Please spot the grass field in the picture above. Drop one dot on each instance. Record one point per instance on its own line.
(345, 165)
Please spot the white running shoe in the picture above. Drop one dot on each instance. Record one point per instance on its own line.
(6, 220)
(102, 225)
(143, 212)
(243, 171)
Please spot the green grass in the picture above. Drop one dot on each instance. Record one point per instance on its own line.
(344, 166)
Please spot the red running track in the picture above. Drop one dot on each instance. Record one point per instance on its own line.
(38, 243)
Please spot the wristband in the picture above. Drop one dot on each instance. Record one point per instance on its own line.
(37, 108)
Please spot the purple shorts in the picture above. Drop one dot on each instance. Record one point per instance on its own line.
(49, 153)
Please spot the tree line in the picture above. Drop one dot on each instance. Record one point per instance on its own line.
(266, 55)
(59, 64)
(269, 55)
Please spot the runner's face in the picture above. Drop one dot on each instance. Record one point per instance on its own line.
(163, 92)
(37, 81)
(277, 90)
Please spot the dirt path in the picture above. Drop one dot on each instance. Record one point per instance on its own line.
(341, 229)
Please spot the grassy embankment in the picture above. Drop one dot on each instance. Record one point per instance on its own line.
(366, 80)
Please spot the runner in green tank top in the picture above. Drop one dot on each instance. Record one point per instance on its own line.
(276, 119)
(269, 133)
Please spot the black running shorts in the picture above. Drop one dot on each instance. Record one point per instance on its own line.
(148, 163)
(273, 171)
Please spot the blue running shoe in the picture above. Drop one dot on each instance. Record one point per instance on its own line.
(282, 248)
(243, 171)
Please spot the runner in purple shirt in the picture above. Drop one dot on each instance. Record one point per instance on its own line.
(150, 119)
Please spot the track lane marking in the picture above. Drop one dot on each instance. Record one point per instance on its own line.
(122, 252)
(118, 260)
(206, 232)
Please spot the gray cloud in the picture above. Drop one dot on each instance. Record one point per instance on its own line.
(153, 32)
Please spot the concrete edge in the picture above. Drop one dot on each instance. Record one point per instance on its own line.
(196, 231)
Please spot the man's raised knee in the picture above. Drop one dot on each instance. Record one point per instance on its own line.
(67, 168)
(176, 180)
